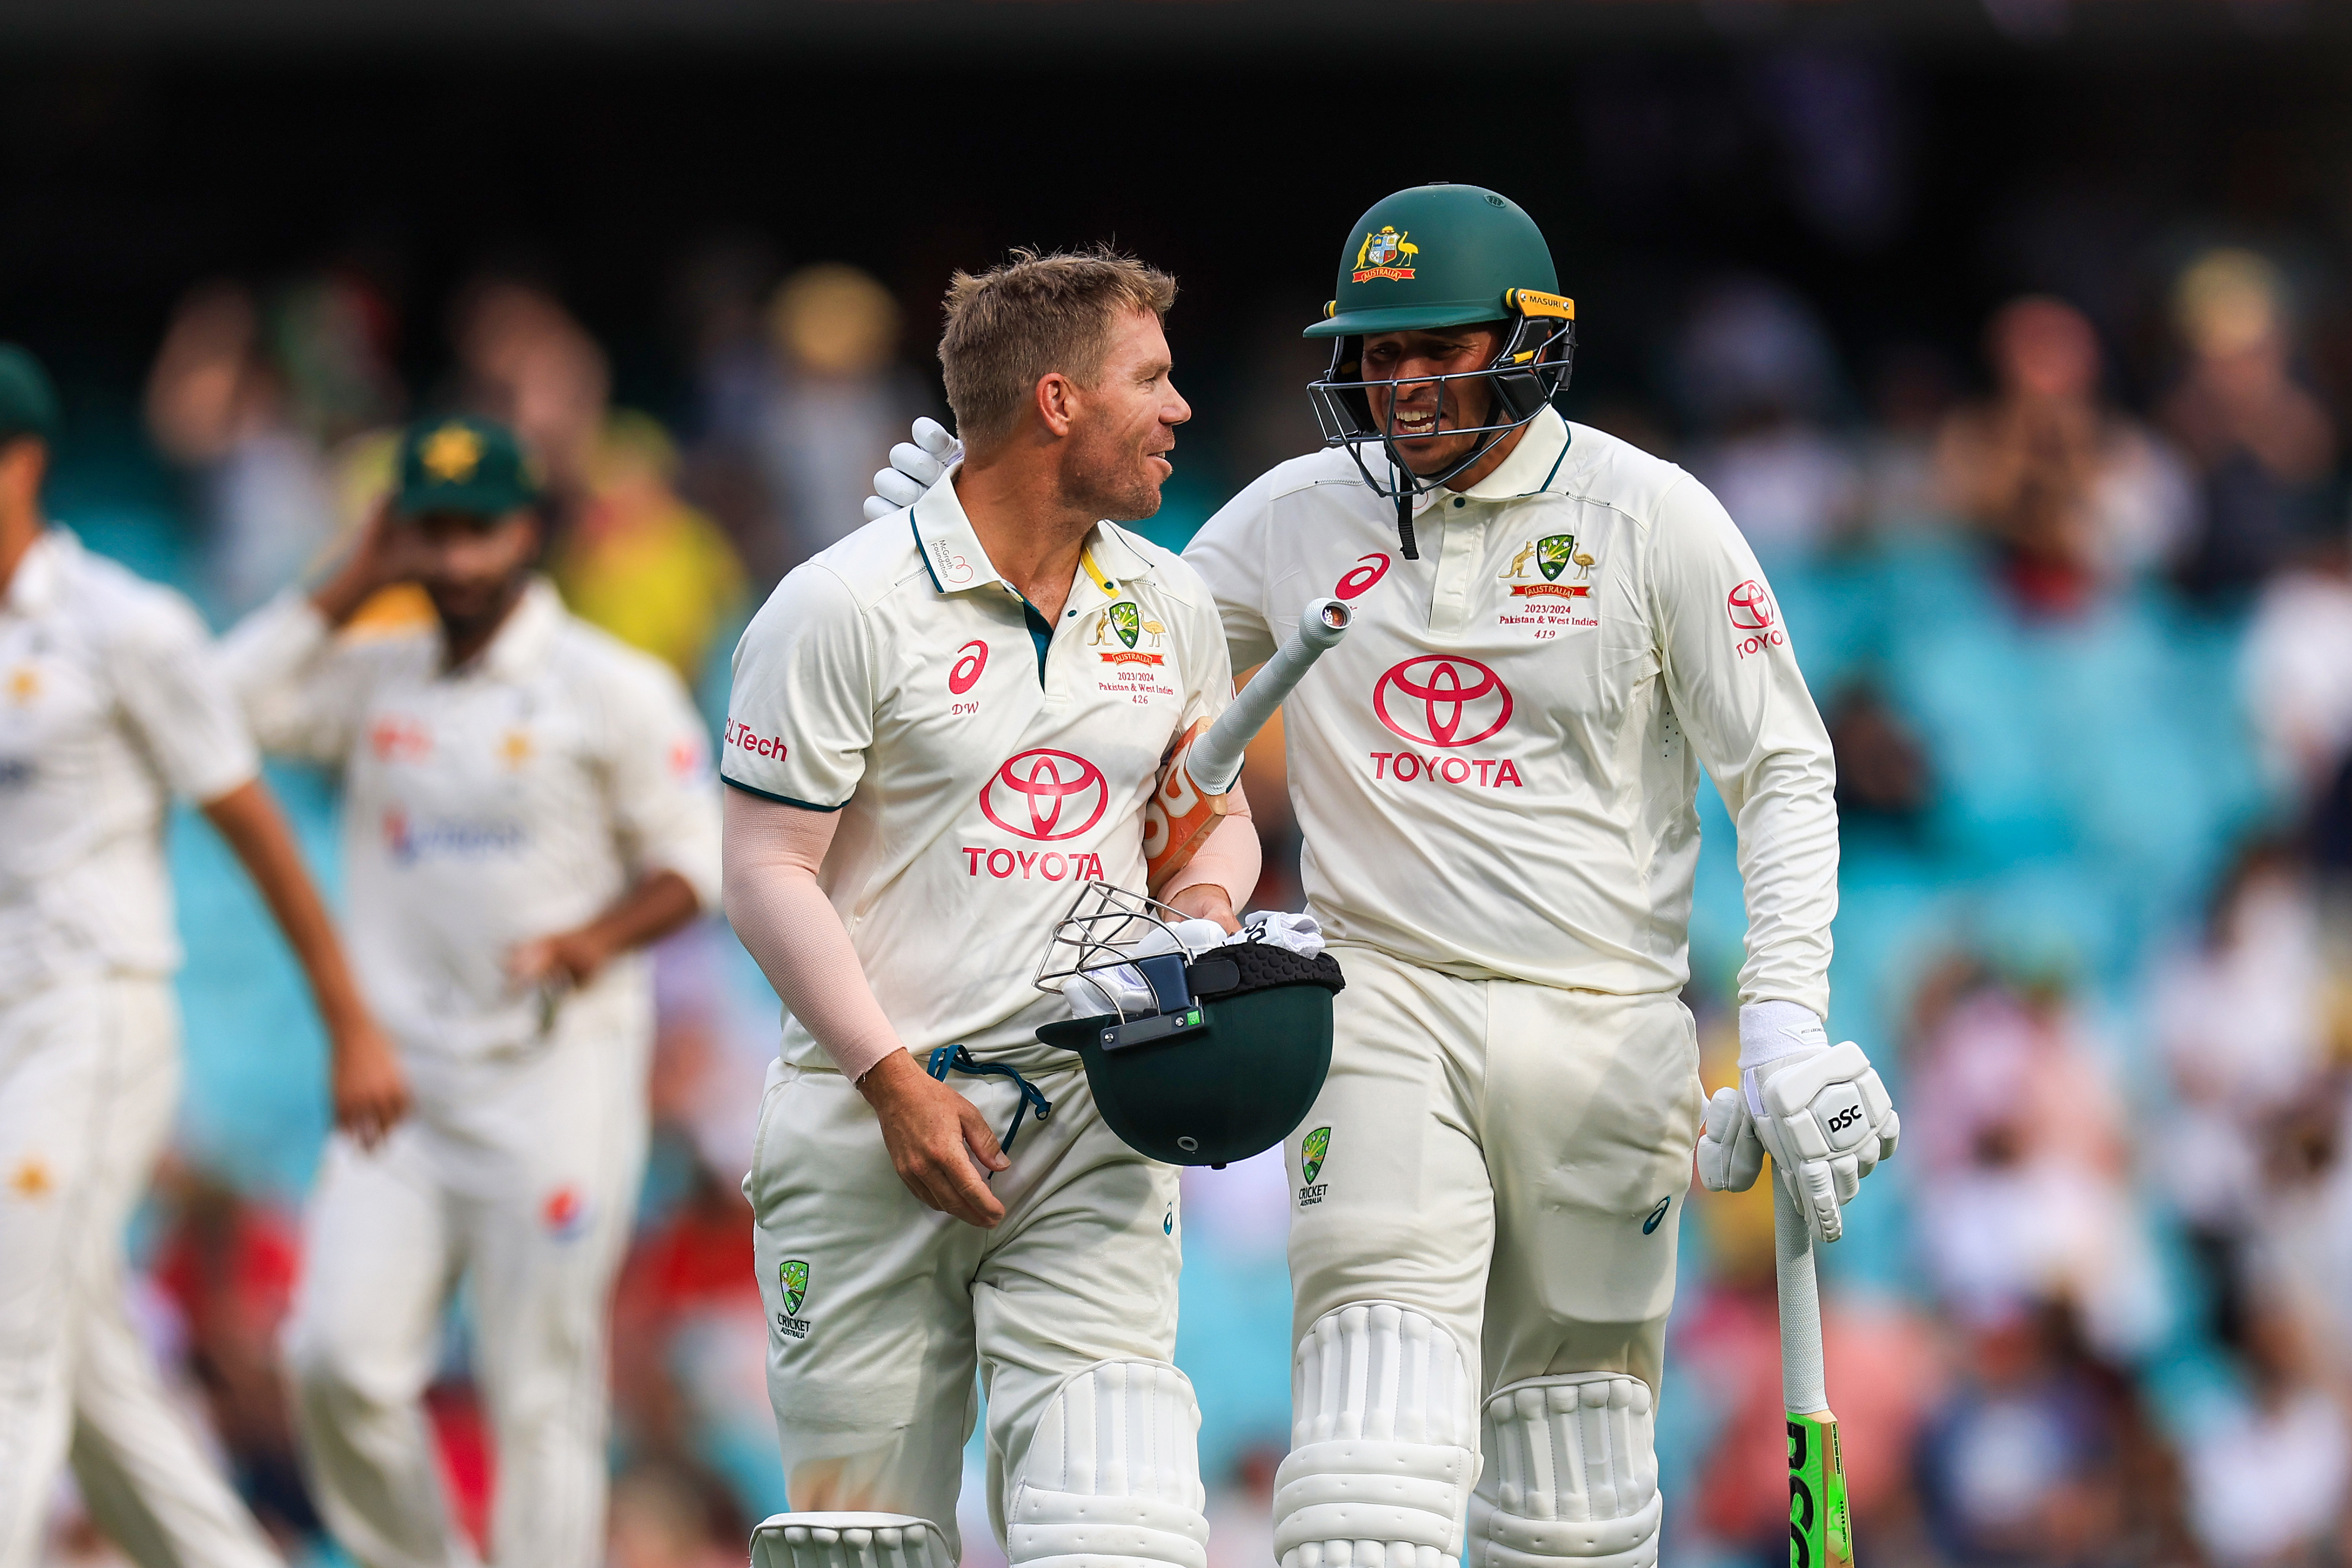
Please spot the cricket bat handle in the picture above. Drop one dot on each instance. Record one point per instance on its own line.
(1198, 774)
(1216, 761)
(1820, 1529)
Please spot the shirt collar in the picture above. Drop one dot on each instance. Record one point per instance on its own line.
(526, 636)
(952, 556)
(1533, 462)
(33, 587)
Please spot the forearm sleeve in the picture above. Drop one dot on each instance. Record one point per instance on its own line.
(783, 919)
(1230, 858)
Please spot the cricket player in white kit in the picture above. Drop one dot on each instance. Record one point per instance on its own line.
(1495, 778)
(940, 728)
(526, 804)
(108, 706)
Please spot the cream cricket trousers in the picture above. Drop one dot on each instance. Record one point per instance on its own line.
(880, 1311)
(1488, 1190)
(520, 1177)
(90, 1075)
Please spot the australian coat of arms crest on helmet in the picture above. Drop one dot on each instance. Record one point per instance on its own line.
(1385, 253)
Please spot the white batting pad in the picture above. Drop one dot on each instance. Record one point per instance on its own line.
(848, 1540)
(1381, 1462)
(1572, 1474)
(1113, 1475)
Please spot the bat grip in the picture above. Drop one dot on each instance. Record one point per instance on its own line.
(1804, 1384)
(1216, 759)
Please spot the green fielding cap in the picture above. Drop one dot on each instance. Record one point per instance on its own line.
(1436, 255)
(462, 464)
(28, 403)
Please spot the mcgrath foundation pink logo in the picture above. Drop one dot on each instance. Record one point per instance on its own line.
(1442, 699)
(1033, 796)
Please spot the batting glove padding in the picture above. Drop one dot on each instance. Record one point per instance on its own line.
(1828, 1122)
(915, 467)
(1729, 1153)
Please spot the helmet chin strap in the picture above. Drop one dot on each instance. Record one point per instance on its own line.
(1416, 485)
(1405, 524)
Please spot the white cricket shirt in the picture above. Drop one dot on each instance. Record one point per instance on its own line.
(108, 705)
(513, 796)
(1494, 772)
(985, 764)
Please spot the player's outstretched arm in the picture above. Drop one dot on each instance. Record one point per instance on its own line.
(780, 911)
(371, 1094)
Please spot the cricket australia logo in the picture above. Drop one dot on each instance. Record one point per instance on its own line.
(1385, 253)
(1552, 556)
(1311, 1155)
(792, 1284)
(1127, 625)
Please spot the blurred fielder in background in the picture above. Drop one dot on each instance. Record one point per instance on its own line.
(110, 705)
(1494, 776)
(526, 804)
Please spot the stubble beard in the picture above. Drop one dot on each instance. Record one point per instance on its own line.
(1116, 485)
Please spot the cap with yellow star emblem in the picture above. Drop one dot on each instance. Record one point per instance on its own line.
(465, 464)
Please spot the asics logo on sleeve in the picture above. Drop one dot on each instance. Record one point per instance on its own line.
(1442, 699)
(1045, 794)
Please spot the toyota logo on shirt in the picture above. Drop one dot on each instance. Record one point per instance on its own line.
(1034, 794)
(1749, 607)
(1442, 699)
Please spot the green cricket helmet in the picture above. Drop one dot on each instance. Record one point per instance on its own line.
(1432, 257)
(1198, 1058)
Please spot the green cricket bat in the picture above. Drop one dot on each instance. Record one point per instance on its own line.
(1819, 1531)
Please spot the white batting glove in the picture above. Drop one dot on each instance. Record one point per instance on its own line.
(915, 467)
(1820, 1109)
(1729, 1153)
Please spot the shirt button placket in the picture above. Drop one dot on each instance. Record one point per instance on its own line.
(1449, 610)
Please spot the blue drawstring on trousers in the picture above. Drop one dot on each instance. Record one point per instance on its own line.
(958, 1058)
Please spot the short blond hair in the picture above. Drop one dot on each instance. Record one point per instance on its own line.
(1032, 316)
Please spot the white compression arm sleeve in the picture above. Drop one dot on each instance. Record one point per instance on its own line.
(773, 902)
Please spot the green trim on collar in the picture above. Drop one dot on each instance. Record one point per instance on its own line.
(1041, 632)
(921, 555)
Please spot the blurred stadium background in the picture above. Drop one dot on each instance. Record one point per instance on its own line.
(2016, 333)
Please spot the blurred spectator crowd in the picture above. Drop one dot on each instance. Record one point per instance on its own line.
(2081, 623)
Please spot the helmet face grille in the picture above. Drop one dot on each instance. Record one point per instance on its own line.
(1102, 932)
(1528, 372)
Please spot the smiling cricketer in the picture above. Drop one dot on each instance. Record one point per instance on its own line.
(1495, 778)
